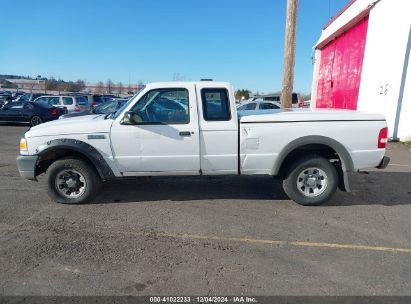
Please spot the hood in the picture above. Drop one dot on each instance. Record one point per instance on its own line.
(74, 125)
(298, 115)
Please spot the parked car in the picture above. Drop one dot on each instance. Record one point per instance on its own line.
(29, 112)
(95, 99)
(297, 101)
(99, 99)
(72, 103)
(6, 97)
(5, 93)
(2, 102)
(103, 108)
(259, 104)
(154, 134)
(15, 95)
(30, 96)
(306, 103)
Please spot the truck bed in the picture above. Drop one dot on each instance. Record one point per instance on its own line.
(265, 135)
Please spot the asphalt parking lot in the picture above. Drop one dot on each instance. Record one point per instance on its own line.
(206, 236)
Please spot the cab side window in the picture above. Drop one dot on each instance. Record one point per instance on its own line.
(164, 106)
(216, 104)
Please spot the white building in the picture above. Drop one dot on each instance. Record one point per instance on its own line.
(28, 84)
(362, 62)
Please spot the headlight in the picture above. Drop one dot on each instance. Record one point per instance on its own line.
(23, 146)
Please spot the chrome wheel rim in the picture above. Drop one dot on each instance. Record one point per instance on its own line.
(36, 121)
(70, 183)
(312, 182)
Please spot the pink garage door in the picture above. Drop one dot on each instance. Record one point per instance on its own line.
(340, 69)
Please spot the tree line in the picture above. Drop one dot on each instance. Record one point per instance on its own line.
(53, 84)
(242, 94)
(68, 86)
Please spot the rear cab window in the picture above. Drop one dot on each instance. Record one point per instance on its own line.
(216, 104)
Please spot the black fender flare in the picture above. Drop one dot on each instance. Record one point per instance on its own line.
(347, 164)
(88, 151)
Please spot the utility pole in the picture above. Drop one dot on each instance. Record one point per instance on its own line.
(289, 53)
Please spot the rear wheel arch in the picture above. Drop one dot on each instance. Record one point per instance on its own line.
(61, 148)
(319, 145)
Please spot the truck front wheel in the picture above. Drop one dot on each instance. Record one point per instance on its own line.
(72, 181)
(311, 180)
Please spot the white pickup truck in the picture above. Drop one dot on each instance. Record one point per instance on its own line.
(192, 128)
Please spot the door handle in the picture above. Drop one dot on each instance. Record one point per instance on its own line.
(185, 133)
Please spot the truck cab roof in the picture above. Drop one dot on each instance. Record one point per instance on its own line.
(184, 83)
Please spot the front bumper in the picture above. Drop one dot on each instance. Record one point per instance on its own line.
(27, 166)
(384, 163)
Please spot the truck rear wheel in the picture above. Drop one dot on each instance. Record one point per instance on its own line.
(311, 180)
(72, 181)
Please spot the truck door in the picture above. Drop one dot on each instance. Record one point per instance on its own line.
(166, 141)
(218, 129)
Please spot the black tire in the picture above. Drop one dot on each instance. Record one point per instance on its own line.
(87, 176)
(35, 120)
(300, 185)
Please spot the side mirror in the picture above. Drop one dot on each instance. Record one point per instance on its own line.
(131, 118)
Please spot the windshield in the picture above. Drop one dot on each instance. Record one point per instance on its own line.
(106, 107)
(121, 109)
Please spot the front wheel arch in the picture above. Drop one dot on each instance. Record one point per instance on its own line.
(60, 148)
